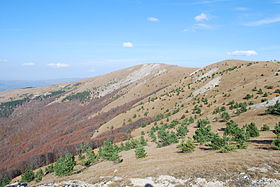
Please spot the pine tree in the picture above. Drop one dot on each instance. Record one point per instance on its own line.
(28, 175)
(187, 146)
(65, 165)
(140, 151)
(109, 151)
(38, 176)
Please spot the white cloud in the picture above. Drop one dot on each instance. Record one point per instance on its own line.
(58, 65)
(3, 60)
(264, 21)
(127, 44)
(28, 64)
(243, 53)
(152, 19)
(201, 17)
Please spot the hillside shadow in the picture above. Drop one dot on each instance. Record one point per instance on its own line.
(261, 141)
(267, 148)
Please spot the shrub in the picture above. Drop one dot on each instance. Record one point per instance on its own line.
(277, 128)
(182, 130)
(28, 175)
(276, 141)
(225, 116)
(166, 138)
(240, 137)
(275, 109)
(231, 128)
(277, 91)
(143, 141)
(260, 91)
(65, 165)
(81, 96)
(4, 181)
(38, 176)
(202, 122)
(218, 142)
(265, 127)
(252, 130)
(187, 147)
(248, 96)
(140, 151)
(203, 134)
(91, 157)
(237, 134)
(49, 169)
(196, 110)
(109, 151)
(219, 109)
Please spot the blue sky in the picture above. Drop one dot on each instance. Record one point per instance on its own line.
(51, 39)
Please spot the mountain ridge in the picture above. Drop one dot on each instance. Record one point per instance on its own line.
(116, 105)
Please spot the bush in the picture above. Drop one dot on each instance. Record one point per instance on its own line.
(166, 138)
(203, 134)
(65, 165)
(277, 128)
(276, 131)
(187, 147)
(252, 130)
(81, 96)
(90, 156)
(182, 130)
(143, 142)
(140, 151)
(225, 116)
(38, 176)
(49, 169)
(276, 142)
(231, 128)
(240, 137)
(248, 96)
(277, 91)
(196, 110)
(218, 142)
(265, 127)
(202, 122)
(28, 175)
(109, 151)
(237, 134)
(275, 109)
(4, 181)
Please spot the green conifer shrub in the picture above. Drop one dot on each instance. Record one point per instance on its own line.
(186, 147)
(140, 151)
(65, 165)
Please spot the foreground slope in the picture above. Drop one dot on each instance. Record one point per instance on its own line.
(38, 125)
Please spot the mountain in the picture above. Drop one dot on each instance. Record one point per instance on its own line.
(160, 102)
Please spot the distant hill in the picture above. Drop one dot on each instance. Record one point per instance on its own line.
(14, 84)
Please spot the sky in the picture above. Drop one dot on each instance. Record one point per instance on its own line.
(53, 39)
